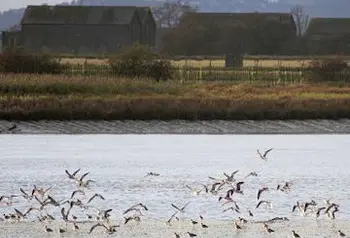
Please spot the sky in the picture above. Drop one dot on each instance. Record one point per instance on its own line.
(6, 5)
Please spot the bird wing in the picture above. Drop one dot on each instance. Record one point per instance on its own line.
(92, 198)
(47, 190)
(266, 152)
(108, 211)
(183, 208)
(73, 193)
(187, 186)
(257, 206)
(142, 205)
(205, 187)
(18, 212)
(64, 216)
(214, 186)
(239, 184)
(29, 210)
(234, 173)
(84, 175)
(69, 175)
(259, 193)
(227, 209)
(128, 210)
(172, 216)
(25, 194)
(176, 207)
(36, 198)
(107, 228)
(75, 173)
(94, 226)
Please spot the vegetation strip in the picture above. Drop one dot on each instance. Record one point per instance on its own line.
(55, 97)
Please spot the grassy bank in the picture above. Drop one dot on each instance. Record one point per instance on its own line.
(33, 97)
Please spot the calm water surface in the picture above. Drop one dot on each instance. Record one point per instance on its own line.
(318, 166)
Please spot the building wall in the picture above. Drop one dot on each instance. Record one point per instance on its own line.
(135, 30)
(75, 39)
(149, 31)
(9, 39)
(218, 34)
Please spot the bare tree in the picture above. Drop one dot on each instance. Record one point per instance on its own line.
(14, 28)
(301, 19)
(169, 13)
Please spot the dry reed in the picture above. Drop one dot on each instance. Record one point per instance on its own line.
(34, 97)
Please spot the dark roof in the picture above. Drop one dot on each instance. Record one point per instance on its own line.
(89, 15)
(247, 19)
(328, 26)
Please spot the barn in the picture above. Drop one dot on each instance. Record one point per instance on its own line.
(328, 36)
(85, 30)
(219, 33)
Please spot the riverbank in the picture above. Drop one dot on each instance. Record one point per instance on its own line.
(35, 97)
(177, 127)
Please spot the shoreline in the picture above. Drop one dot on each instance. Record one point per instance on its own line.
(156, 228)
(215, 127)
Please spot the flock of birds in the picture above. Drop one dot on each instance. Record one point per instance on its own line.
(226, 190)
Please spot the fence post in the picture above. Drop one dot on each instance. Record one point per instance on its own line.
(233, 60)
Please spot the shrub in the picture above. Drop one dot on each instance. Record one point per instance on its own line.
(140, 61)
(327, 69)
(15, 60)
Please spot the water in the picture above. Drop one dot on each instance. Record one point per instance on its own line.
(317, 165)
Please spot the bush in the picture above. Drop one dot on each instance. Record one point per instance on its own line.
(327, 69)
(140, 61)
(15, 60)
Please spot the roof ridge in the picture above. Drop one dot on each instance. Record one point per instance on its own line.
(89, 15)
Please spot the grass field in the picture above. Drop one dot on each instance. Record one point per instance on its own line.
(33, 97)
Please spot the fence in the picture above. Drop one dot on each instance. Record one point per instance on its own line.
(278, 75)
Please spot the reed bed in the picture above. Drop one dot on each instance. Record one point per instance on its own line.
(34, 97)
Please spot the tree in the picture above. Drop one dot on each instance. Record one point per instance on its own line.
(169, 13)
(14, 28)
(301, 19)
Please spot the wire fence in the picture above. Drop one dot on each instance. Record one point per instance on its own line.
(273, 74)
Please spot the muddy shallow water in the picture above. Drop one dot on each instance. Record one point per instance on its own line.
(316, 165)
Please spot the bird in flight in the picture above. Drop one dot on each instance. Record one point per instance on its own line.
(263, 156)
(182, 209)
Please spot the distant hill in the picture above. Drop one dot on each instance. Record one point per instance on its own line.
(319, 8)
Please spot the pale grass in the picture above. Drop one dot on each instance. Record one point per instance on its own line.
(204, 63)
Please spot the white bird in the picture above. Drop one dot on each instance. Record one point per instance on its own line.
(195, 191)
